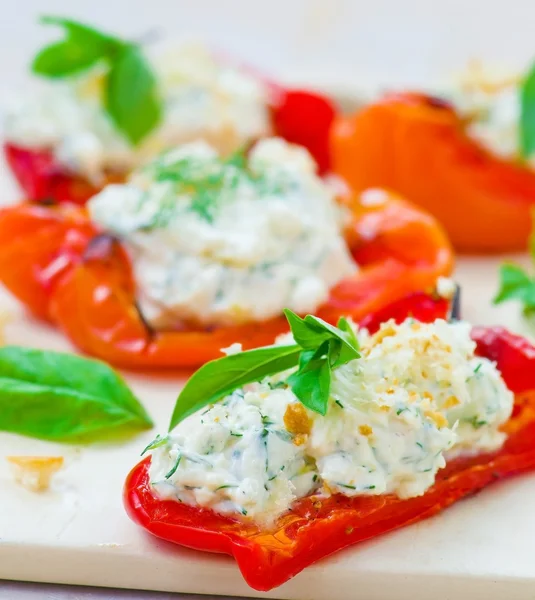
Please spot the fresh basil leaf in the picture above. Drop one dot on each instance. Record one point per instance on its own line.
(55, 396)
(220, 377)
(65, 58)
(82, 48)
(132, 98)
(312, 382)
(515, 284)
(312, 331)
(527, 115)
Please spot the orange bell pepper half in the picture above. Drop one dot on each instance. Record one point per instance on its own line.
(317, 527)
(418, 145)
(55, 261)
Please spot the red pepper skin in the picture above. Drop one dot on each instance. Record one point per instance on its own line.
(43, 179)
(513, 353)
(305, 118)
(49, 261)
(316, 528)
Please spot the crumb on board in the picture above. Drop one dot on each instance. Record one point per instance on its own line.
(35, 472)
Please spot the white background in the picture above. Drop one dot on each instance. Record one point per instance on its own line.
(343, 42)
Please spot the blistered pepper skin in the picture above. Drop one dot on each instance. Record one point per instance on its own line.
(63, 269)
(316, 527)
(419, 146)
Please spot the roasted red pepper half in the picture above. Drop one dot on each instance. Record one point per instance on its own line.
(419, 146)
(56, 262)
(316, 528)
(299, 116)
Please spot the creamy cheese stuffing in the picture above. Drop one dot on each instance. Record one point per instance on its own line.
(218, 242)
(417, 396)
(202, 96)
(490, 101)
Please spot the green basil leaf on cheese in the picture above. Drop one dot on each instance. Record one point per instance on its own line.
(311, 383)
(82, 48)
(132, 97)
(220, 377)
(61, 397)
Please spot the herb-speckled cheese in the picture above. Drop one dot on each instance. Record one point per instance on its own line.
(490, 102)
(217, 242)
(202, 97)
(417, 396)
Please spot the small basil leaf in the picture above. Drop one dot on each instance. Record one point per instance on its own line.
(65, 58)
(55, 396)
(82, 48)
(527, 115)
(515, 284)
(312, 384)
(312, 331)
(220, 377)
(132, 98)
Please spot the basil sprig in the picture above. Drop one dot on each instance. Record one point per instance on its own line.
(517, 284)
(527, 114)
(131, 95)
(63, 397)
(319, 348)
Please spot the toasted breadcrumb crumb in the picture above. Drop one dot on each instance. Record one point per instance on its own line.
(35, 472)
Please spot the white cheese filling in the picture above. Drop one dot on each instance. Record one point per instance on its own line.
(216, 242)
(490, 101)
(417, 396)
(203, 98)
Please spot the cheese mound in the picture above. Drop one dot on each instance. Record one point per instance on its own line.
(222, 241)
(416, 397)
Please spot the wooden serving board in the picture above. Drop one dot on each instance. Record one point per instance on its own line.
(78, 533)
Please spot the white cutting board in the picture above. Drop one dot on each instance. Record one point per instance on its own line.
(78, 533)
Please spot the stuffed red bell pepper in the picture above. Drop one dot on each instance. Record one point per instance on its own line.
(108, 106)
(467, 160)
(197, 251)
(283, 455)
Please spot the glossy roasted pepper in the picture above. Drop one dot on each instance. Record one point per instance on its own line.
(63, 269)
(298, 116)
(317, 527)
(419, 146)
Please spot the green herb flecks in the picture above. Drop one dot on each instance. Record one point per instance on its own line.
(210, 182)
(131, 96)
(62, 397)
(319, 348)
(175, 466)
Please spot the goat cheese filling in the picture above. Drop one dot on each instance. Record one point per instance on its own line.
(202, 98)
(217, 241)
(490, 102)
(417, 396)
